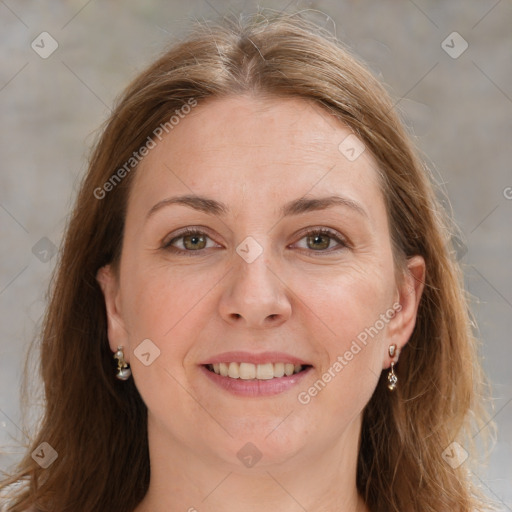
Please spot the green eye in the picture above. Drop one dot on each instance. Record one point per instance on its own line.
(191, 240)
(319, 240)
(195, 241)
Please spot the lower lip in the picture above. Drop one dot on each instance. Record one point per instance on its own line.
(254, 387)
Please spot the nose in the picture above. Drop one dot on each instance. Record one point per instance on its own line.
(254, 296)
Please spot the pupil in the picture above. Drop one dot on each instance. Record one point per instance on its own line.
(193, 240)
(316, 238)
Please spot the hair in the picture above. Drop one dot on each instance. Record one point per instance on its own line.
(97, 424)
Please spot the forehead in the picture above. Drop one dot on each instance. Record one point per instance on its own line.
(253, 148)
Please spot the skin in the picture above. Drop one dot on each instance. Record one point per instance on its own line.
(255, 154)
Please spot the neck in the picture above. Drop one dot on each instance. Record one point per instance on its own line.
(183, 479)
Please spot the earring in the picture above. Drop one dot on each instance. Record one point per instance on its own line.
(392, 378)
(123, 372)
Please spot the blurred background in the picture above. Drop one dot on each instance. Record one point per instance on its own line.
(447, 64)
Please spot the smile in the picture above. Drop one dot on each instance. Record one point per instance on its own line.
(249, 371)
(252, 374)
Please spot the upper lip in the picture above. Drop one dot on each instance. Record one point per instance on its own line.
(254, 358)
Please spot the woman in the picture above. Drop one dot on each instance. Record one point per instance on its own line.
(256, 306)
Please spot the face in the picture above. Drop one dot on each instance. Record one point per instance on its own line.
(286, 267)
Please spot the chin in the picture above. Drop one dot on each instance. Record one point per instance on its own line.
(261, 444)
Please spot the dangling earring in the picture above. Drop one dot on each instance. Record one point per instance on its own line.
(123, 372)
(392, 378)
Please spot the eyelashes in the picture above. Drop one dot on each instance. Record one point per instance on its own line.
(195, 236)
(319, 234)
(195, 242)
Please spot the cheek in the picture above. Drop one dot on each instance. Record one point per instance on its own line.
(345, 304)
(163, 307)
(159, 301)
(349, 312)
(167, 306)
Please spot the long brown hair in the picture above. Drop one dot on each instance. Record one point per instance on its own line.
(97, 425)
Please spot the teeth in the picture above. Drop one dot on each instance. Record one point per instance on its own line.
(223, 369)
(233, 371)
(265, 371)
(248, 371)
(288, 369)
(278, 369)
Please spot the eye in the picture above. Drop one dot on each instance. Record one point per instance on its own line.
(189, 240)
(319, 240)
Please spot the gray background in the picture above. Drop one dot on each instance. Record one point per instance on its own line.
(460, 110)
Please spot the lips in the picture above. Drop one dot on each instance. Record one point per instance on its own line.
(255, 368)
(255, 358)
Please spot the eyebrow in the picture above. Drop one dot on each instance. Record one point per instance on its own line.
(294, 207)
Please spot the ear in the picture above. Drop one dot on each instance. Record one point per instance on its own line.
(410, 290)
(117, 333)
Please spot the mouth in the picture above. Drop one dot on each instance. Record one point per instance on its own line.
(255, 375)
(251, 371)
